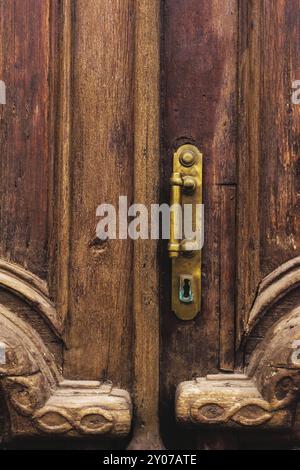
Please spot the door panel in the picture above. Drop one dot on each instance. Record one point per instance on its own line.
(101, 145)
(268, 135)
(264, 225)
(200, 107)
(49, 156)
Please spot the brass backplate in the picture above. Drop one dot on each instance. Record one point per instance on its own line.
(188, 264)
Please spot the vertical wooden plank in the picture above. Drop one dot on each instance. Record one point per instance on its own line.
(200, 98)
(227, 277)
(248, 214)
(25, 133)
(100, 274)
(61, 85)
(268, 194)
(146, 191)
(280, 130)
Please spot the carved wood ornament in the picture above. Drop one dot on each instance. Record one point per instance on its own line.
(266, 395)
(40, 401)
(63, 151)
(38, 398)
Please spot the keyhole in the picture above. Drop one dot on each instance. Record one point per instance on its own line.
(186, 288)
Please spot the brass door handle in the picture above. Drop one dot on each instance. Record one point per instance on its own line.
(185, 254)
(178, 183)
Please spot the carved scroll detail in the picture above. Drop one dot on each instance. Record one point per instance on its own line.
(39, 400)
(267, 395)
(32, 290)
(248, 413)
(89, 410)
(273, 287)
(228, 401)
(86, 421)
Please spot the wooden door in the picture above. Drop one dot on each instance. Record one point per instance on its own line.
(99, 94)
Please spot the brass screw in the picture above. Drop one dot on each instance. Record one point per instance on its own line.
(187, 158)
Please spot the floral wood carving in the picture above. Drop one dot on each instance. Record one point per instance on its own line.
(266, 396)
(40, 401)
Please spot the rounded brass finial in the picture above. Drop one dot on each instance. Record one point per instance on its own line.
(189, 183)
(187, 158)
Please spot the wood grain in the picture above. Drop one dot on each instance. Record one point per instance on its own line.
(266, 397)
(280, 130)
(27, 287)
(227, 277)
(59, 214)
(24, 133)
(40, 401)
(146, 191)
(231, 401)
(248, 233)
(268, 195)
(81, 127)
(199, 106)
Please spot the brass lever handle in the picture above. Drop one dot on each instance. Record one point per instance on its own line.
(178, 183)
(186, 188)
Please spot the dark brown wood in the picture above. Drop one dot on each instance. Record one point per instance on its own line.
(60, 79)
(100, 282)
(81, 127)
(200, 96)
(248, 233)
(38, 67)
(146, 191)
(25, 132)
(41, 401)
(268, 195)
(227, 277)
(267, 395)
(279, 133)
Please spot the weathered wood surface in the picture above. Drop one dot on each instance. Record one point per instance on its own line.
(48, 204)
(99, 343)
(25, 132)
(40, 401)
(228, 401)
(266, 397)
(199, 96)
(227, 277)
(146, 191)
(266, 133)
(271, 290)
(81, 127)
(248, 235)
(32, 290)
(268, 196)
(61, 101)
